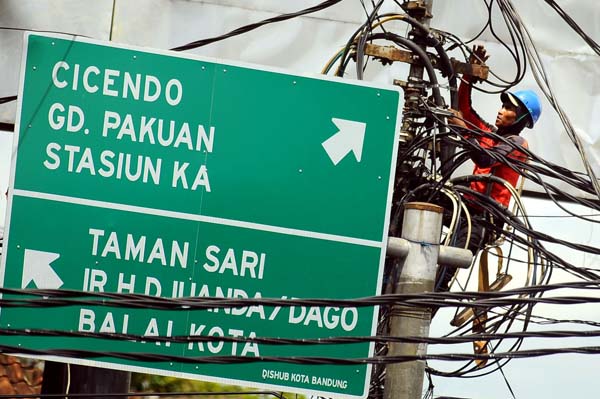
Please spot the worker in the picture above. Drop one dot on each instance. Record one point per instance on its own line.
(519, 109)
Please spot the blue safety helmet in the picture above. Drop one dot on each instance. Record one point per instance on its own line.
(527, 98)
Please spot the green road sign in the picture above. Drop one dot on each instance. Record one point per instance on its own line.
(168, 175)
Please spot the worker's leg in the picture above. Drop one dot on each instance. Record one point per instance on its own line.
(477, 241)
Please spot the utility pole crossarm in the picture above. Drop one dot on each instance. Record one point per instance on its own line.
(389, 54)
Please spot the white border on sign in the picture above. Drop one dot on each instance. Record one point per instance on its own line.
(13, 163)
(382, 245)
(215, 60)
(190, 376)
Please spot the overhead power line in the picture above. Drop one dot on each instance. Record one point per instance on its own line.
(250, 27)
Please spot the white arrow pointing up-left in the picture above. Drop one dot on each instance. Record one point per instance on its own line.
(36, 268)
(350, 137)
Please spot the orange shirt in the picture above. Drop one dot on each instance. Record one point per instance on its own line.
(500, 169)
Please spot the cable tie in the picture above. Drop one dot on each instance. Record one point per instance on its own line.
(422, 243)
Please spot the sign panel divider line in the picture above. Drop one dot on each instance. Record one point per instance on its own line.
(197, 218)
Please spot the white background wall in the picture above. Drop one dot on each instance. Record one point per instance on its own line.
(304, 45)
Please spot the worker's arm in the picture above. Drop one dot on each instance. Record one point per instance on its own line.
(483, 158)
(465, 107)
(479, 56)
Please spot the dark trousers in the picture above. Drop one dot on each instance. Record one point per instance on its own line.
(481, 234)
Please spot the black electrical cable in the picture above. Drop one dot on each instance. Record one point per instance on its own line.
(250, 27)
(363, 40)
(280, 341)
(422, 55)
(62, 298)
(304, 360)
(567, 18)
(7, 99)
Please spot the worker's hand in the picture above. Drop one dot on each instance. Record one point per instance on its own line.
(479, 55)
(457, 119)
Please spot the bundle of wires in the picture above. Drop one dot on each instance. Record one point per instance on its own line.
(424, 184)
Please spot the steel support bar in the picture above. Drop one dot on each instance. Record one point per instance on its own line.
(391, 53)
(450, 256)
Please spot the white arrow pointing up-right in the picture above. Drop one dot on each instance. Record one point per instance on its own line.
(36, 268)
(350, 137)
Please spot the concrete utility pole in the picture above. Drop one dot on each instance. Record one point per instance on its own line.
(421, 229)
(422, 223)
